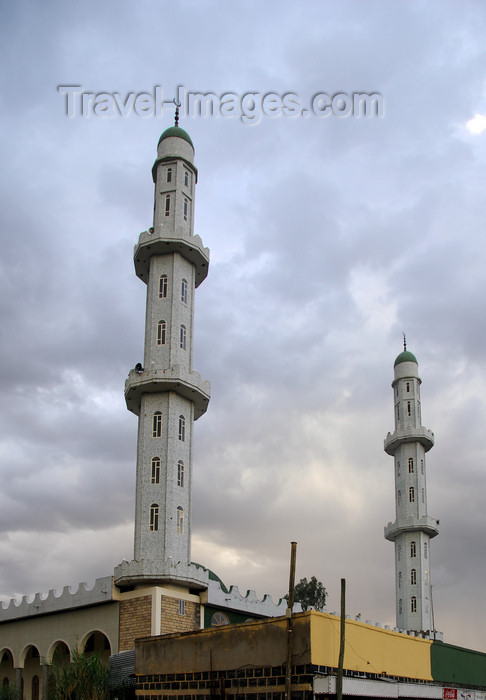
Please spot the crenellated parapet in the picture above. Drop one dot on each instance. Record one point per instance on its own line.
(247, 603)
(68, 599)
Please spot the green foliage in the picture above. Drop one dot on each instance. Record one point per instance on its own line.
(85, 678)
(310, 594)
(9, 694)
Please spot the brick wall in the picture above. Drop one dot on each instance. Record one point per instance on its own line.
(135, 620)
(171, 621)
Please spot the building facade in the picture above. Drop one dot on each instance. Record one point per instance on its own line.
(161, 590)
(251, 661)
(413, 528)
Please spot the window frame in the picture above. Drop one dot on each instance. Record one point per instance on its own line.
(163, 286)
(155, 470)
(161, 333)
(157, 424)
(180, 473)
(184, 289)
(154, 517)
(183, 337)
(182, 428)
(180, 520)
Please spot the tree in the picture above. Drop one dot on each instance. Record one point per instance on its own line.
(85, 678)
(310, 594)
(7, 693)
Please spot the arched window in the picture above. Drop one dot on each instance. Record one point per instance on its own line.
(183, 337)
(154, 517)
(398, 411)
(35, 687)
(400, 607)
(423, 495)
(157, 425)
(399, 552)
(180, 473)
(413, 604)
(167, 205)
(169, 174)
(186, 208)
(409, 408)
(425, 550)
(398, 468)
(399, 579)
(180, 520)
(422, 466)
(182, 429)
(408, 386)
(413, 549)
(411, 494)
(413, 577)
(399, 497)
(426, 605)
(163, 287)
(186, 178)
(155, 477)
(161, 333)
(410, 465)
(184, 291)
(219, 619)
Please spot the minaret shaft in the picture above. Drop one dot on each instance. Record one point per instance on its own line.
(413, 528)
(166, 394)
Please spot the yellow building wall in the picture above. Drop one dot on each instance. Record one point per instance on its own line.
(369, 649)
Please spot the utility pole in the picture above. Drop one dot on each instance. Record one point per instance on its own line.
(290, 606)
(339, 682)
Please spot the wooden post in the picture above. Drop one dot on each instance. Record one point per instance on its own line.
(290, 605)
(339, 680)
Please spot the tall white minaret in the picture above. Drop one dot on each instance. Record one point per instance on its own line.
(413, 528)
(165, 393)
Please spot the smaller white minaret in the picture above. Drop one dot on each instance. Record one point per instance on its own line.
(413, 528)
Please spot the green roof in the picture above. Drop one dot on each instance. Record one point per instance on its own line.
(405, 356)
(178, 132)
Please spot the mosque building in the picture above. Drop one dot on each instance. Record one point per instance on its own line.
(162, 591)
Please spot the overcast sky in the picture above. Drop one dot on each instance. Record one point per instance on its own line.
(329, 236)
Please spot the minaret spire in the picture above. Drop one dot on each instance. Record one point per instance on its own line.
(165, 393)
(176, 117)
(413, 528)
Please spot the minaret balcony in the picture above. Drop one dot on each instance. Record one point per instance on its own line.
(402, 435)
(185, 383)
(190, 247)
(399, 527)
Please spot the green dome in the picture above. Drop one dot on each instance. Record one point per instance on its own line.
(178, 132)
(405, 356)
